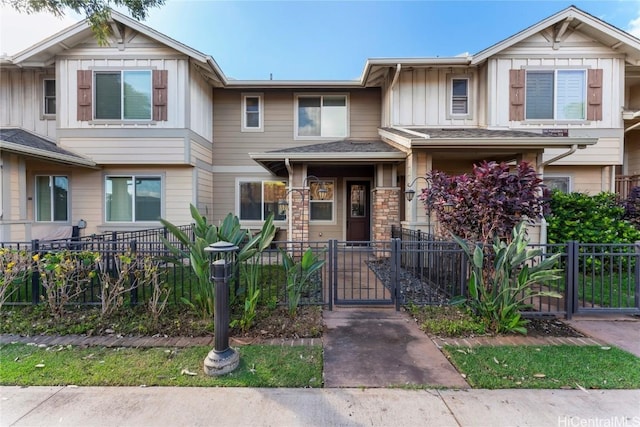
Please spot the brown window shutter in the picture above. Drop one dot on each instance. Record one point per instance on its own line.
(594, 94)
(516, 95)
(85, 112)
(160, 95)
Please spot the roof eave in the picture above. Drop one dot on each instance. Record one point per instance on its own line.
(569, 12)
(341, 157)
(529, 142)
(47, 155)
(286, 84)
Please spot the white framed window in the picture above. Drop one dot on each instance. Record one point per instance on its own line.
(321, 116)
(555, 95)
(252, 112)
(257, 199)
(558, 182)
(52, 198)
(49, 97)
(459, 96)
(123, 95)
(322, 203)
(133, 198)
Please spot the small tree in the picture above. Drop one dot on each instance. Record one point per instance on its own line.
(486, 203)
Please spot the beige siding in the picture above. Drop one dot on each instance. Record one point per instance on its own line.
(204, 191)
(21, 97)
(606, 151)
(584, 179)
(128, 151)
(200, 153)
(632, 153)
(232, 146)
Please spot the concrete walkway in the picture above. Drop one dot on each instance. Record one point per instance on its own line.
(169, 406)
(382, 348)
(620, 331)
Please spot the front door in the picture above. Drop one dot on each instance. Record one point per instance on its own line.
(358, 215)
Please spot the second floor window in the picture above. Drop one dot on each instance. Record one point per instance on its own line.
(123, 95)
(323, 116)
(49, 101)
(252, 113)
(52, 198)
(555, 95)
(459, 96)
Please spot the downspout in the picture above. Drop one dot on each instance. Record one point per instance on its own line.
(289, 201)
(540, 169)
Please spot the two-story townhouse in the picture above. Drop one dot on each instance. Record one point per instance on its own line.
(330, 159)
(104, 137)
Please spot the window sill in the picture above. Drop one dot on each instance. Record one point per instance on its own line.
(320, 138)
(48, 117)
(123, 122)
(556, 122)
(252, 130)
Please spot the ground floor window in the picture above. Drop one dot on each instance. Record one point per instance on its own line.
(133, 198)
(52, 198)
(258, 199)
(321, 203)
(560, 183)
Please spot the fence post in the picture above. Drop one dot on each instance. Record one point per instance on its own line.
(133, 245)
(636, 274)
(35, 274)
(330, 269)
(571, 280)
(396, 245)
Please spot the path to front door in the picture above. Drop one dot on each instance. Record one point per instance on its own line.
(382, 348)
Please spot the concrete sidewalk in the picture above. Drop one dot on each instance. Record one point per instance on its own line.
(168, 406)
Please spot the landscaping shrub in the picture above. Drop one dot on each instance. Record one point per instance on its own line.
(632, 207)
(589, 219)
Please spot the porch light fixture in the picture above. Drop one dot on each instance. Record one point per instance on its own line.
(410, 193)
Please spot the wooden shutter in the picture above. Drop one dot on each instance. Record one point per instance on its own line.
(594, 94)
(85, 112)
(516, 95)
(160, 95)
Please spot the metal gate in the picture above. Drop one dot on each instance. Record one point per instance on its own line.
(363, 273)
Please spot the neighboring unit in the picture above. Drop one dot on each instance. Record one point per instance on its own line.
(119, 136)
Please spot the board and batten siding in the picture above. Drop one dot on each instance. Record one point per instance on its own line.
(421, 97)
(200, 105)
(21, 101)
(138, 52)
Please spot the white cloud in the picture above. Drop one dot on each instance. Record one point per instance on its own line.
(19, 31)
(634, 26)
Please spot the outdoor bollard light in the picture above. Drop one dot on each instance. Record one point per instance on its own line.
(222, 359)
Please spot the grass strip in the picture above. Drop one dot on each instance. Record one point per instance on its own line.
(260, 366)
(547, 367)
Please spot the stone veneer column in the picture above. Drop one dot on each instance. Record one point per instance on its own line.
(300, 216)
(385, 212)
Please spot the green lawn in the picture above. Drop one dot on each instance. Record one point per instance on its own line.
(260, 366)
(550, 367)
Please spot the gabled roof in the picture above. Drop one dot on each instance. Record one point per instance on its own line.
(20, 141)
(44, 52)
(572, 18)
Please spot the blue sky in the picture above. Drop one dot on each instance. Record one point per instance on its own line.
(331, 39)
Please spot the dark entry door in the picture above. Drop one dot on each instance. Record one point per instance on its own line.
(358, 211)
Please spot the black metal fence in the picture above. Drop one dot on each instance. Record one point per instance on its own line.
(594, 277)
(412, 267)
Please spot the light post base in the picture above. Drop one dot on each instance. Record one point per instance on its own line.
(221, 362)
